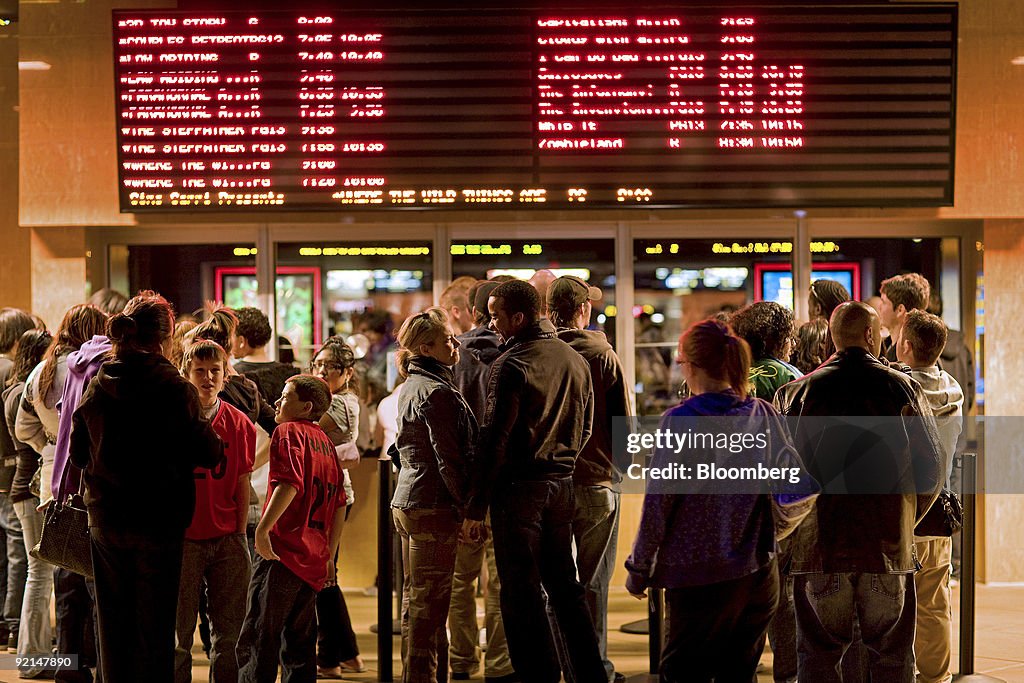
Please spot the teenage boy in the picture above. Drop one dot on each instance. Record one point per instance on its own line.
(296, 540)
(921, 340)
(251, 339)
(215, 546)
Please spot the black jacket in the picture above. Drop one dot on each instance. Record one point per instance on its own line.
(479, 349)
(436, 436)
(138, 434)
(597, 465)
(540, 412)
(893, 483)
(244, 394)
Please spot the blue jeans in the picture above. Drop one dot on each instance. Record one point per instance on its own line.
(279, 630)
(224, 565)
(17, 563)
(827, 605)
(595, 531)
(532, 526)
(35, 634)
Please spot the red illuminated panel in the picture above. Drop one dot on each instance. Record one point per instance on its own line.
(712, 106)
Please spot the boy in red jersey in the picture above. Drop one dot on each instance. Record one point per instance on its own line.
(215, 545)
(296, 540)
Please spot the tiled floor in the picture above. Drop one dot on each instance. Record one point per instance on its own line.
(999, 644)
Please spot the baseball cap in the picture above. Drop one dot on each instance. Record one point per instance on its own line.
(571, 289)
(483, 292)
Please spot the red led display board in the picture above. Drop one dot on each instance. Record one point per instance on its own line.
(687, 107)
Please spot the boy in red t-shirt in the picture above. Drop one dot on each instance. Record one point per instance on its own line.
(296, 540)
(215, 547)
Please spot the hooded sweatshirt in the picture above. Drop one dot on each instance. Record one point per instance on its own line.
(946, 399)
(139, 433)
(82, 366)
(703, 538)
(596, 465)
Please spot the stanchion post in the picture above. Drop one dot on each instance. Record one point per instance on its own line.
(655, 614)
(969, 465)
(385, 563)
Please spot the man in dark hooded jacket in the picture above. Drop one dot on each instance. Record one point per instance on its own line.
(597, 475)
(480, 347)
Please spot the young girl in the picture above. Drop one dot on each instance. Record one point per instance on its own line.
(337, 650)
(713, 553)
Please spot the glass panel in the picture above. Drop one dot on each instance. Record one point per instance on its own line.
(681, 281)
(187, 275)
(367, 288)
(592, 259)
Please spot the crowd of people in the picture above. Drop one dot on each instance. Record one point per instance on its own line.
(217, 486)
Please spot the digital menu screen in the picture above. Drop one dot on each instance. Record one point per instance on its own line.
(690, 107)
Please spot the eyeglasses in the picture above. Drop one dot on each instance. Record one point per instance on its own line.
(316, 366)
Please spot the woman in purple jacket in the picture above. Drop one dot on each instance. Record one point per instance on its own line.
(711, 544)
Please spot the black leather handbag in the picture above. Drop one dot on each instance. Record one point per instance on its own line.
(64, 541)
(944, 518)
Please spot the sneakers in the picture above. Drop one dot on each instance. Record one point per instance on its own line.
(353, 666)
(12, 643)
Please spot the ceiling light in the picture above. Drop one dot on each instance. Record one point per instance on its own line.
(33, 66)
(1018, 61)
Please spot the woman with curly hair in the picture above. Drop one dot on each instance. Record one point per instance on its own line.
(337, 649)
(767, 327)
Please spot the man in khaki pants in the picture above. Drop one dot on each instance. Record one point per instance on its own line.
(920, 342)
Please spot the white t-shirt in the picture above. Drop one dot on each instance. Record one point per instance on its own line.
(387, 414)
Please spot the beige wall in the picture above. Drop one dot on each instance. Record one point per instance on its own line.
(68, 181)
(15, 278)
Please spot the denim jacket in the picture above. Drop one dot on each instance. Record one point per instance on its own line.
(436, 435)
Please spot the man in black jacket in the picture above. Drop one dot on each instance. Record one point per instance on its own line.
(479, 349)
(854, 554)
(539, 415)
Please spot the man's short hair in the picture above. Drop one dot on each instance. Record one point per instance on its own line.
(254, 325)
(910, 290)
(203, 350)
(14, 322)
(315, 390)
(518, 296)
(455, 294)
(849, 322)
(927, 336)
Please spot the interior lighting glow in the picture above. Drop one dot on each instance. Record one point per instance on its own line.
(32, 65)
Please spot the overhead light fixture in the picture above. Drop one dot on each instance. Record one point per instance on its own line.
(1018, 61)
(33, 66)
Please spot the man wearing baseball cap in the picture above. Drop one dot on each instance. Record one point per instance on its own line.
(597, 474)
